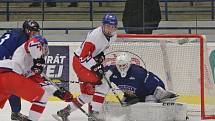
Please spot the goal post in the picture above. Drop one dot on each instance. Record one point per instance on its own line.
(180, 60)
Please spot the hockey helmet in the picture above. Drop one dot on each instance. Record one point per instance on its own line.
(31, 25)
(110, 19)
(123, 63)
(43, 41)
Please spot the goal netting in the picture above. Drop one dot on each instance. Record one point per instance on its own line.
(180, 60)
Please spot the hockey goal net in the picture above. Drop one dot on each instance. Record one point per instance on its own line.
(180, 60)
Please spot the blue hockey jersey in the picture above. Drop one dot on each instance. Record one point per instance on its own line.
(10, 41)
(138, 82)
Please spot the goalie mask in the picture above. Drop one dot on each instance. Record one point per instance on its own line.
(123, 63)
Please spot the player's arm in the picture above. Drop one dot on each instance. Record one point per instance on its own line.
(90, 62)
(85, 57)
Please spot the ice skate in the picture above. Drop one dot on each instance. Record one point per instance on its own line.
(95, 116)
(19, 117)
(63, 114)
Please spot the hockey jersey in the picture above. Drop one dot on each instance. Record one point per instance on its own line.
(138, 82)
(10, 41)
(95, 43)
(22, 59)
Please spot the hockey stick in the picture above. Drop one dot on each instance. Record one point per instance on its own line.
(112, 89)
(81, 109)
(75, 82)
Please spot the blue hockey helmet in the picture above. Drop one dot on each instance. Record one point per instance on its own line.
(43, 41)
(110, 19)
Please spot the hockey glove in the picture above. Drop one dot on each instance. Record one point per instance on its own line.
(98, 69)
(38, 65)
(63, 94)
(37, 78)
(100, 58)
(130, 100)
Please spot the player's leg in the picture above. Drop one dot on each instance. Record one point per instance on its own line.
(98, 99)
(38, 107)
(15, 104)
(86, 75)
(87, 90)
(78, 101)
(155, 88)
(21, 86)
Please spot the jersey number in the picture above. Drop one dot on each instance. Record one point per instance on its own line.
(5, 37)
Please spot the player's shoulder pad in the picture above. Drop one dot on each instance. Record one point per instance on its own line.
(137, 68)
(16, 32)
(95, 33)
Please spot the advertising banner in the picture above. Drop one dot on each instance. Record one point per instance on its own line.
(57, 65)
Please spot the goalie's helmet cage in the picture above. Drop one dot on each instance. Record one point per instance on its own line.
(110, 19)
(123, 63)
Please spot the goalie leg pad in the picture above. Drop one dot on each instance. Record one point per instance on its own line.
(164, 95)
(151, 99)
(147, 111)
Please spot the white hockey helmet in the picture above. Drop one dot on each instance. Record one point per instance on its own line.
(123, 62)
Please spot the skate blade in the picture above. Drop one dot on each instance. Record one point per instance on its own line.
(56, 117)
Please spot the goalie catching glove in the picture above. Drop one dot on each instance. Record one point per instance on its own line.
(63, 94)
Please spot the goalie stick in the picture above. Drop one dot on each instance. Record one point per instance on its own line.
(81, 109)
(123, 104)
(118, 98)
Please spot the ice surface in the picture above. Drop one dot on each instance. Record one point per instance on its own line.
(54, 106)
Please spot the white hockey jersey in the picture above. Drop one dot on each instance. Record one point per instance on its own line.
(22, 59)
(95, 43)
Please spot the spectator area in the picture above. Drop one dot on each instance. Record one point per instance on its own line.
(77, 30)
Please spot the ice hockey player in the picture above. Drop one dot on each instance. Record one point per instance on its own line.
(137, 83)
(20, 76)
(87, 64)
(9, 42)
